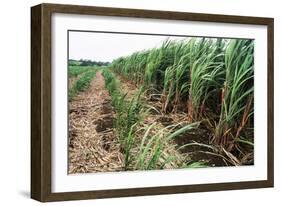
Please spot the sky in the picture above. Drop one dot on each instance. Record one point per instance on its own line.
(106, 47)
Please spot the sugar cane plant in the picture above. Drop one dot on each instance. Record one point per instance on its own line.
(208, 78)
(237, 92)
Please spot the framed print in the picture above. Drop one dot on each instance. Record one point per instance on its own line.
(130, 102)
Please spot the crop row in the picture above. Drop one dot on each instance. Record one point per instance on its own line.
(87, 74)
(208, 78)
(145, 146)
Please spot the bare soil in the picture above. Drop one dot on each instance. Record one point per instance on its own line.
(198, 153)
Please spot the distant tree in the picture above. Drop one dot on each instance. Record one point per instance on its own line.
(87, 62)
(73, 62)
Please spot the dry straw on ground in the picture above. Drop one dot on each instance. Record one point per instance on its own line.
(93, 145)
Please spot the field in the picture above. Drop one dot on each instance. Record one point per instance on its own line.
(184, 104)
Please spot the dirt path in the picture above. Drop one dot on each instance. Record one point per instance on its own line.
(71, 81)
(126, 86)
(93, 144)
